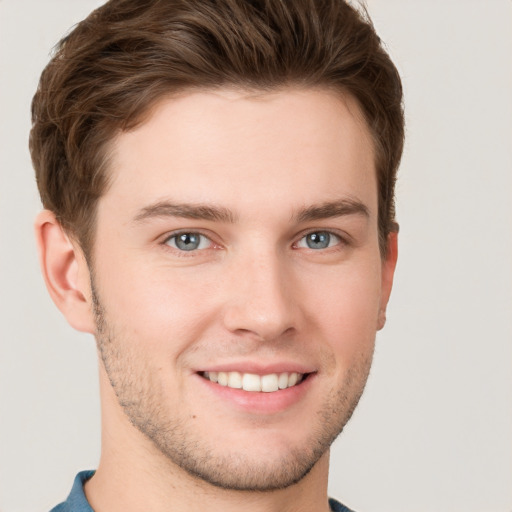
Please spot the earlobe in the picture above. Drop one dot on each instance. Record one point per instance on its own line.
(388, 272)
(65, 272)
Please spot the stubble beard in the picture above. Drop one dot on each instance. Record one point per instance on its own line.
(138, 393)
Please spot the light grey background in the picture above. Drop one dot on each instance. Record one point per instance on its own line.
(433, 431)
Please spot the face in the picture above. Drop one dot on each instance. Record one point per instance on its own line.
(237, 280)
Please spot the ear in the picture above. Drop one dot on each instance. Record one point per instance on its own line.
(65, 272)
(387, 274)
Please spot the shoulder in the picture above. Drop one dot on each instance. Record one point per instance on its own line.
(336, 506)
(76, 501)
(61, 507)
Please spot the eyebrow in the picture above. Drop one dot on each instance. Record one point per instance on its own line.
(331, 209)
(195, 211)
(186, 211)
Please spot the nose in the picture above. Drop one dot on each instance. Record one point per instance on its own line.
(260, 299)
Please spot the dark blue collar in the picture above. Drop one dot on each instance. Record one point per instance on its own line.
(77, 502)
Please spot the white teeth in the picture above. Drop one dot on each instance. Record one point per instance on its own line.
(252, 382)
(222, 378)
(283, 381)
(234, 380)
(269, 383)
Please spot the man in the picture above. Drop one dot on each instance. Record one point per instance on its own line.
(218, 183)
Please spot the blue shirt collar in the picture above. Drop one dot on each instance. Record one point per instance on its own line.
(77, 502)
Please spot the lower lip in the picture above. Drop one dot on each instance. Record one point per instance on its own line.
(260, 402)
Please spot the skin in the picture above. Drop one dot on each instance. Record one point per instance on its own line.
(252, 295)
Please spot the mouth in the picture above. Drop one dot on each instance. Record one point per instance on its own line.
(269, 383)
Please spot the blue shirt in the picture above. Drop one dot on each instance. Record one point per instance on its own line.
(77, 502)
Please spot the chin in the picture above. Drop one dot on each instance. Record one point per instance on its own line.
(243, 471)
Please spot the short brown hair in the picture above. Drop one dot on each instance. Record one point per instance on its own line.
(108, 72)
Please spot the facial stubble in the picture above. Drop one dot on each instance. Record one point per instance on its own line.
(140, 396)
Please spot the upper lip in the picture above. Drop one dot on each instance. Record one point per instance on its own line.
(259, 368)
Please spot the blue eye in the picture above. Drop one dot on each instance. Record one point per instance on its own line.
(188, 241)
(319, 240)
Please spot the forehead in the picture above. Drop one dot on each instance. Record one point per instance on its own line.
(245, 149)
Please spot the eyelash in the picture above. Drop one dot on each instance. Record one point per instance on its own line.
(183, 252)
(342, 241)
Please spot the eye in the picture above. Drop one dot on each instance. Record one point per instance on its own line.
(319, 240)
(188, 241)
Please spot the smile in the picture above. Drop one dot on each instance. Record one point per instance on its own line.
(256, 383)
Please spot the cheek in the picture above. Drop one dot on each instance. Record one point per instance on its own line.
(346, 307)
(159, 308)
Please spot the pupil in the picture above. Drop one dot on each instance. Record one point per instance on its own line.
(187, 241)
(318, 240)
